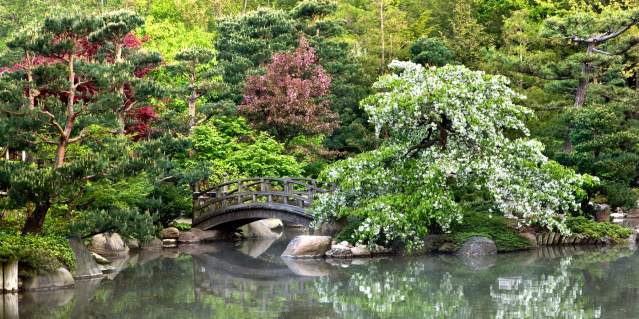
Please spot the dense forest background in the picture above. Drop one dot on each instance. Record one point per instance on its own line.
(170, 93)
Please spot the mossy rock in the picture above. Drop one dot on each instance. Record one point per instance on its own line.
(496, 228)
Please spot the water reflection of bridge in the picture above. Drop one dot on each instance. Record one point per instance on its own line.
(265, 281)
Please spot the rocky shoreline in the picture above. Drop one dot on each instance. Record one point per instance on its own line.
(107, 253)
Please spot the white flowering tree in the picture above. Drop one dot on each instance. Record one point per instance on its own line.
(446, 130)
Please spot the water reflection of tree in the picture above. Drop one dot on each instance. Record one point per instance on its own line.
(386, 290)
(560, 283)
(558, 294)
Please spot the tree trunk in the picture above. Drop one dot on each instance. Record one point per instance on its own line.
(244, 7)
(568, 142)
(35, 220)
(381, 28)
(61, 152)
(586, 69)
(192, 111)
(30, 91)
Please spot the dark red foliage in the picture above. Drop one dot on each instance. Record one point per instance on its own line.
(140, 118)
(291, 98)
(141, 125)
(142, 72)
(131, 41)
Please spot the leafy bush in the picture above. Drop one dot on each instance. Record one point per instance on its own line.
(36, 253)
(126, 222)
(181, 226)
(348, 232)
(597, 230)
(431, 51)
(496, 228)
(620, 195)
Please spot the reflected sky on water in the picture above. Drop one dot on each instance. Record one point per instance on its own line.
(250, 280)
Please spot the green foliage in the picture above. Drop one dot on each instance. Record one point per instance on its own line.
(506, 238)
(36, 253)
(597, 230)
(431, 51)
(234, 150)
(348, 233)
(447, 129)
(169, 37)
(606, 144)
(181, 226)
(468, 35)
(126, 222)
(247, 42)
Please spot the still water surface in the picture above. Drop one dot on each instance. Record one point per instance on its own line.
(250, 280)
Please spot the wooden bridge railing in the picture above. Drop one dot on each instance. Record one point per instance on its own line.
(297, 192)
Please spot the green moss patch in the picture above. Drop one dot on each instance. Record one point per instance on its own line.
(496, 228)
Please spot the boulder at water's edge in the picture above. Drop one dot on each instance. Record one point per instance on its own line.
(477, 246)
(307, 246)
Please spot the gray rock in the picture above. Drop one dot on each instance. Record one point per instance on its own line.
(273, 223)
(602, 212)
(195, 235)
(153, 244)
(345, 244)
(60, 278)
(431, 243)
(107, 269)
(189, 237)
(447, 248)
(339, 252)
(379, 249)
(85, 265)
(307, 247)
(169, 243)
(170, 233)
(259, 229)
(360, 251)
(133, 243)
(477, 246)
(100, 260)
(109, 245)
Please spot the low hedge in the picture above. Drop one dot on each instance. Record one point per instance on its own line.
(597, 230)
(36, 253)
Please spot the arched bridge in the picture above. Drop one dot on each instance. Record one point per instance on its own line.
(232, 204)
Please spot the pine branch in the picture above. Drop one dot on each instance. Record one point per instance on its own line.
(53, 120)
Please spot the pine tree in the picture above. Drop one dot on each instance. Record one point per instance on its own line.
(57, 101)
(600, 39)
(195, 64)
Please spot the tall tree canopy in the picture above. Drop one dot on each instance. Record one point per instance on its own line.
(72, 83)
(291, 98)
(451, 132)
(246, 44)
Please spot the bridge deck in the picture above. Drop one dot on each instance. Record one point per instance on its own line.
(242, 201)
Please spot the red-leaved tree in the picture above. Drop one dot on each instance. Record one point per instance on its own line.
(291, 98)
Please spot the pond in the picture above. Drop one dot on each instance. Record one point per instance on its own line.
(250, 280)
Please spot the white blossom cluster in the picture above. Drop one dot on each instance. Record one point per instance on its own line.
(402, 188)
